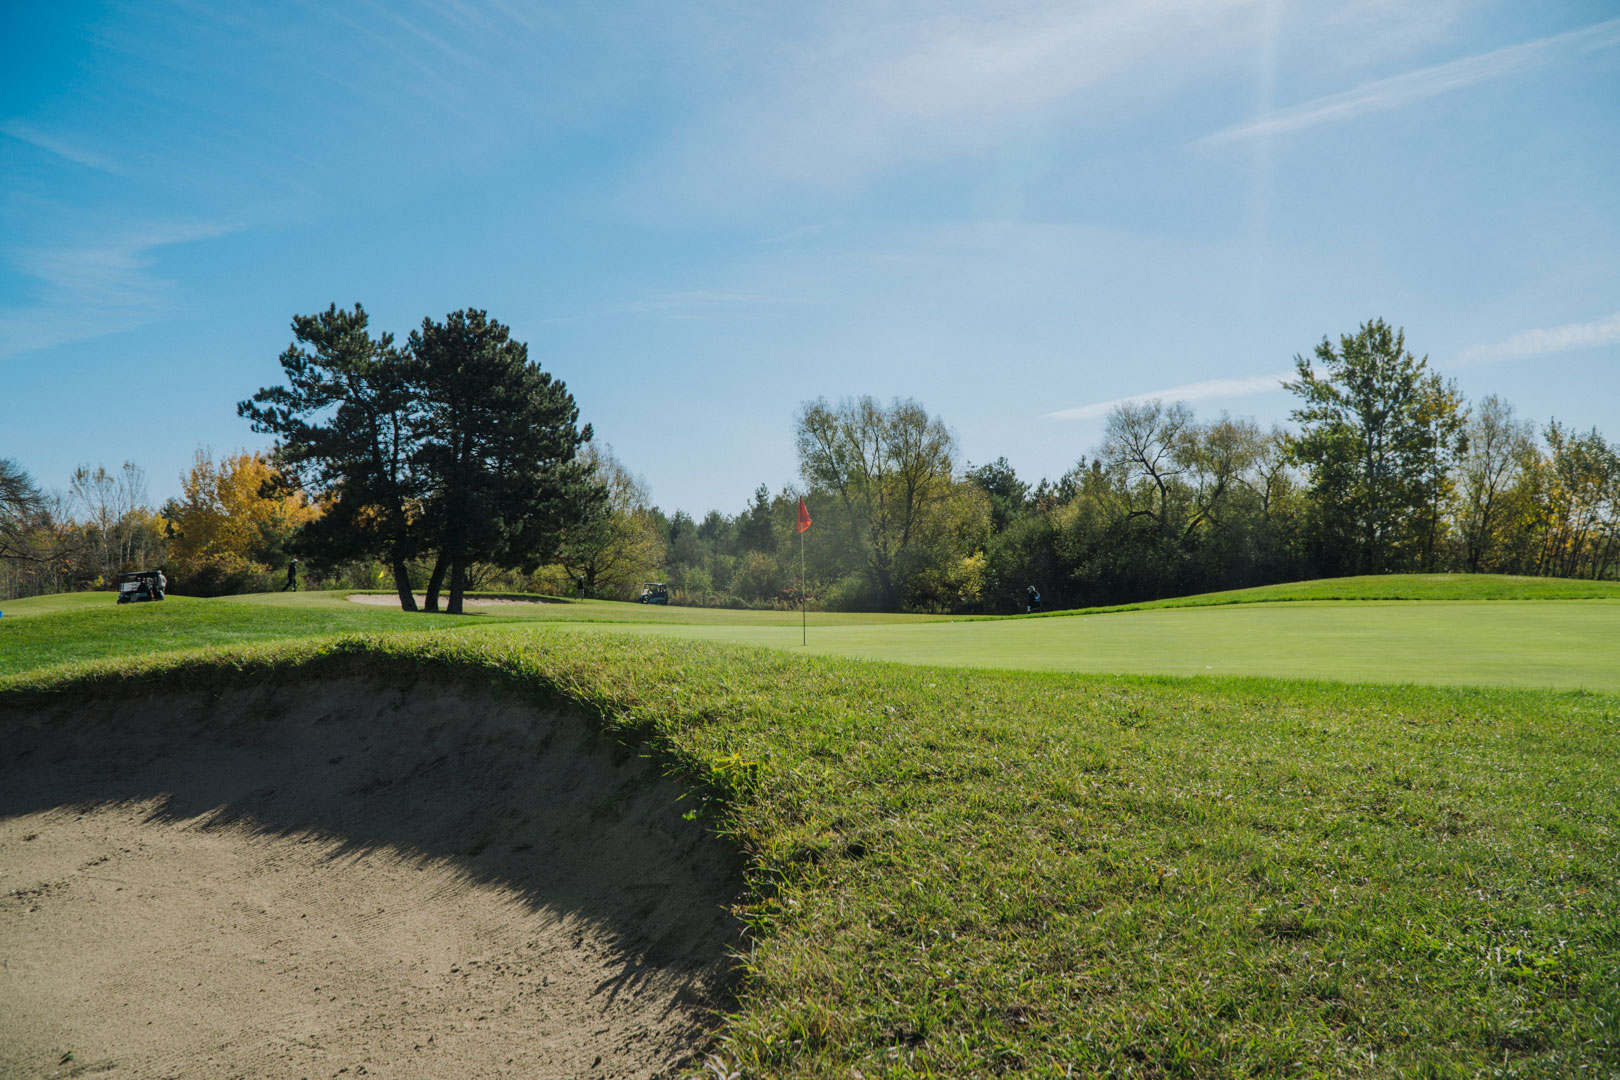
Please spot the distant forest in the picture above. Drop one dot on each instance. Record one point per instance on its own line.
(1385, 468)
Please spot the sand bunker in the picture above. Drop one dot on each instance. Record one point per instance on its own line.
(340, 879)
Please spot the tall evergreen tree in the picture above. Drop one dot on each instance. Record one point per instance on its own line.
(498, 449)
(1008, 495)
(344, 430)
(756, 531)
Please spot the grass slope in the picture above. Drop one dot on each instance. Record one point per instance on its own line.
(968, 873)
(1388, 587)
(79, 630)
(1562, 644)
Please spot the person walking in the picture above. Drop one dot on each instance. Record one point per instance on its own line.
(1032, 600)
(292, 577)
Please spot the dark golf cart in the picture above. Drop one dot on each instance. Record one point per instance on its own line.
(140, 586)
(653, 592)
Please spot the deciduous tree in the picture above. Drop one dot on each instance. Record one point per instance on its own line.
(1499, 447)
(1377, 431)
(619, 542)
(891, 470)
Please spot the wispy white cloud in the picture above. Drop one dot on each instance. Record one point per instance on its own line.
(62, 148)
(1414, 86)
(861, 89)
(1557, 339)
(90, 290)
(1198, 391)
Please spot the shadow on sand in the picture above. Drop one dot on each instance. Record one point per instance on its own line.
(497, 791)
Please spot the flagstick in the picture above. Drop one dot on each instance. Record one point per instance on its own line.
(804, 620)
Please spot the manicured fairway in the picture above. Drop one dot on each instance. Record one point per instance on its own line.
(51, 630)
(1539, 643)
(1566, 644)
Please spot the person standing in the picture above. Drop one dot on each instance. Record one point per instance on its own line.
(1032, 599)
(292, 577)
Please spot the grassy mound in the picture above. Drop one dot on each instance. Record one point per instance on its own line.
(89, 626)
(1389, 587)
(959, 873)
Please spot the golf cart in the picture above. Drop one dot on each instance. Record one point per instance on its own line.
(141, 586)
(653, 592)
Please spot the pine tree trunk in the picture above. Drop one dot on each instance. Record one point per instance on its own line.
(458, 585)
(436, 582)
(402, 584)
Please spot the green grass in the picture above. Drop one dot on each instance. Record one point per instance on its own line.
(94, 626)
(1564, 644)
(969, 873)
(613, 611)
(1560, 644)
(1392, 587)
(56, 602)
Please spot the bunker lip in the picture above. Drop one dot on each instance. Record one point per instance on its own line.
(276, 879)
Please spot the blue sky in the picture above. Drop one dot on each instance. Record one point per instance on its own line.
(700, 215)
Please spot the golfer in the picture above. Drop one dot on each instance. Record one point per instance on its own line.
(1032, 599)
(292, 577)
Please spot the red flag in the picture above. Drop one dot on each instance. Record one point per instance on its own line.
(804, 517)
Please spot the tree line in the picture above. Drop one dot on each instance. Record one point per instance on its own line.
(1387, 469)
(453, 462)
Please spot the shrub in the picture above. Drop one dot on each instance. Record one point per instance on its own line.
(220, 574)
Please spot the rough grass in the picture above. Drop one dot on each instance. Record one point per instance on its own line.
(961, 873)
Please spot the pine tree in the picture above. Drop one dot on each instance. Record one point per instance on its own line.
(344, 432)
(498, 442)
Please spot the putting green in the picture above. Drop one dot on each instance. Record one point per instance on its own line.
(1566, 644)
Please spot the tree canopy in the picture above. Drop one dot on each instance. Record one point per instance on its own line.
(1379, 432)
(498, 452)
(456, 444)
(346, 432)
(891, 472)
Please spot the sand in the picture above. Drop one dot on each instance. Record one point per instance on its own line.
(344, 880)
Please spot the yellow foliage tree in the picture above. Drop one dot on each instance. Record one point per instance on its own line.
(233, 512)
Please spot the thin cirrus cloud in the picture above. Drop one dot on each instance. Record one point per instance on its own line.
(1556, 339)
(62, 148)
(870, 88)
(88, 290)
(1386, 95)
(1198, 391)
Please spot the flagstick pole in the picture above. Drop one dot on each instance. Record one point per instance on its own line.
(804, 620)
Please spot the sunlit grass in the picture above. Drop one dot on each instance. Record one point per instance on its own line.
(1395, 587)
(1566, 644)
(972, 873)
(1536, 643)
